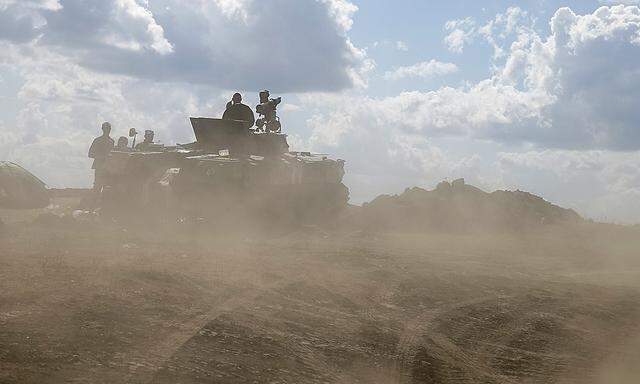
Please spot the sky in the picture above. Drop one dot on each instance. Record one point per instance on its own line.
(537, 95)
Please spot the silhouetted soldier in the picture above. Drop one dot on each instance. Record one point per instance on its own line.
(123, 144)
(99, 151)
(147, 143)
(238, 111)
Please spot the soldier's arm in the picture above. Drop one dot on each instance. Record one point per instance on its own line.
(92, 150)
(249, 116)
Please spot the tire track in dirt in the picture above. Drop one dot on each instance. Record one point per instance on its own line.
(161, 351)
(419, 338)
(252, 314)
(258, 314)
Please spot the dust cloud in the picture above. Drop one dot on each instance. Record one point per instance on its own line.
(443, 286)
(623, 367)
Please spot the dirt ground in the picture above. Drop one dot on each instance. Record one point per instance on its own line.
(82, 302)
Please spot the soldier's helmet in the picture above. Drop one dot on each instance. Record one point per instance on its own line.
(264, 96)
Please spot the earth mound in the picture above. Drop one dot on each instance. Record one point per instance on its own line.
(20, 189)
(459, 206)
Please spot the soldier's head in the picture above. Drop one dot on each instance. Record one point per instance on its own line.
(264, 96)
(106, 128)
(237, 98)
(123, 141)
(148, 136)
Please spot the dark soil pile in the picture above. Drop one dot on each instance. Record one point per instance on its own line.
(459, 206)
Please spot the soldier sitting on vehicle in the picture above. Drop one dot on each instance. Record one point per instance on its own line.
(123, 144)
(268, 120)
(238, 111)
(147, 143)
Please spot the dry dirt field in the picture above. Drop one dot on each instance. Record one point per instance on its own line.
(82, 302)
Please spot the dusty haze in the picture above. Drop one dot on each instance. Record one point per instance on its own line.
(268, 203)
(84, 300)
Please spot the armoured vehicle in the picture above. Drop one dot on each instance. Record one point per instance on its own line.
(230, 170)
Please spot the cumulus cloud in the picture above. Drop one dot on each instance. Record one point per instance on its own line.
(278, 44)
(496, 32)
(378, 139)
(398, 45)
(603, 185)
(124, 24)
(140, 29)
(23, 21)
(461, 33)
(52, 5)
(423, 69)
(342, 12)
(234, 8)
(514, 21)
(402, 46)
(576, 88)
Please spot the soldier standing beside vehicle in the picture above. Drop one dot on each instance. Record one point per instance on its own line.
(238, 111)
(99, 151)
